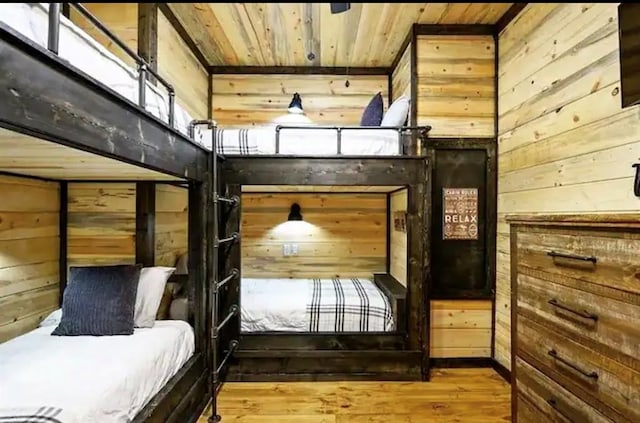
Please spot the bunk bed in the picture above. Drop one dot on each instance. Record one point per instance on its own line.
(64, 120)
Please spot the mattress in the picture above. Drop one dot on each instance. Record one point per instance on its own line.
(91, 57)
(87, 379)
(301, 142)
(314, 305)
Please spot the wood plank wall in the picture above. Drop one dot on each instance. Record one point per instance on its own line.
(456, 85)
(120, 18)
(101, 223)
(29, 246)
(342, 235)
(172, 223)
(178, 65)
(401, 76)
(565, 143)
(247, 100)
(460, 329)
(398, 239)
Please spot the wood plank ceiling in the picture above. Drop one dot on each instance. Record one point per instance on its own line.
(284, 34)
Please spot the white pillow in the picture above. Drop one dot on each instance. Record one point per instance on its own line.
(397, 113)
(150, 289)
(53, 319)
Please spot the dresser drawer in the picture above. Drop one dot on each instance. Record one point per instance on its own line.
(546, 401)
(609, 386)
(600, 256)
(609, 326)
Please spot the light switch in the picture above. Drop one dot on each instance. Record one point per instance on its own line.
(293, 249)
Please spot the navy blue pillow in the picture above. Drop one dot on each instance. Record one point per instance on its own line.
(372, 115)
(99, 301)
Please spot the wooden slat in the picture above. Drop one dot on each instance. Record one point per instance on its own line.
(181, 68)
(454, 107)
(460, 328)
(398, 239)
(342, 234)
(172, 223)
(401, 77)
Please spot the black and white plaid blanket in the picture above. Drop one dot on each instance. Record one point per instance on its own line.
(348, 305)
(235, 141)
(31, 415)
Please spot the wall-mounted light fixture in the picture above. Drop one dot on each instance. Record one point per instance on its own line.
(295, 214)
(296, 104)
(636, 182)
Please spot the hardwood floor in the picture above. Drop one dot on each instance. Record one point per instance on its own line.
(453, 395)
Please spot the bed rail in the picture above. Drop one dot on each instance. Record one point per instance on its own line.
(143, 67)
(422, 132)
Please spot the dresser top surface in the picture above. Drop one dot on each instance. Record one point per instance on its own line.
(624, 220)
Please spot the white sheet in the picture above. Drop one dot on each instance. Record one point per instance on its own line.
(91, 57)
(301, 142)
(289, 305)
(100, 379)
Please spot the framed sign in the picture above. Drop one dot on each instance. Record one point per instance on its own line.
(400, 221)
(460, 213)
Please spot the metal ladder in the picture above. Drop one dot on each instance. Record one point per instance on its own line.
(216, 284)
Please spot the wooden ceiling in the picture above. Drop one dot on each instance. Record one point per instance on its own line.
(283, 34)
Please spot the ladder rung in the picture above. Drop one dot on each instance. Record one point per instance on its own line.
(232, 238)
(233, 345)
(233, 200)
(234, 273)
(232, 312)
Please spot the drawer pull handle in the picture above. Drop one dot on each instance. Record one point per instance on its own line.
(554, 254)
(592, 375)
(583, 314)
(554, 404)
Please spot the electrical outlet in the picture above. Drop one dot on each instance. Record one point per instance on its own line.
(286, 250)
(293, 249)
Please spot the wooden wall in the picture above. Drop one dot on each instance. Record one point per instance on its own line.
(29, 245)
(246, 100)
(565, 143)
(172, 223)
(460, 329)
(456, 85)
(397, 239)
(401, 76)
(178, 65)
(342, 235)
(101, 223)
(120, 18)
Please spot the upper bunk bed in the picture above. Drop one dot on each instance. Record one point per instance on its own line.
(60, 88)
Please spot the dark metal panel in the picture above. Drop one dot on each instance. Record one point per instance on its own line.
(321, 341)
(146, 223)
(253, 170)
(198, 263)
(629, 53)
(43, 96)
(297, 70)
(454, 29)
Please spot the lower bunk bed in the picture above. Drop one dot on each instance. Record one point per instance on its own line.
(324, 329)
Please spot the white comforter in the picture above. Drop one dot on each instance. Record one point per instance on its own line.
(314, 305)
(91, 57)
(102, 379)
(300, 142)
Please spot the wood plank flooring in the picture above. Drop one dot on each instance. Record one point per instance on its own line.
(453, 395)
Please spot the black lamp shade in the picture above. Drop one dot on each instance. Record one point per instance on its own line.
(340, 7)
(296, 104)
(294, 214)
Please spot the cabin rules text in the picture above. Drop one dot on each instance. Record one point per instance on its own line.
(460, 216)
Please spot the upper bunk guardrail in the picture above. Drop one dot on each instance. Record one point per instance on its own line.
(422, 132)
(144, 68)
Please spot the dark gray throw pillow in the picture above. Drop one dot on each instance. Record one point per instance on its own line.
(99, 301)
(372, 115)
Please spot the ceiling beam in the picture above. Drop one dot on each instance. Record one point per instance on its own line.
(298, 70)
(509, 15)
(182, 32)
(454, 29)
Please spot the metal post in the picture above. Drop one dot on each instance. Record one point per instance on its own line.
(339, 140)
(214, 283)
(142, 85)
(278, 139)
(54, 27)
(172, 107)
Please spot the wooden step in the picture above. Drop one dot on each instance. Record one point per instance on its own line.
(307, 341)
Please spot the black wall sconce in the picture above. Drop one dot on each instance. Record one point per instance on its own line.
(295, 214)
(636, 182)
(296, 104)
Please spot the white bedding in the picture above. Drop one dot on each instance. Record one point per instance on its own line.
(86, 54)
(100, 379)
(314, 305)
(300, 142)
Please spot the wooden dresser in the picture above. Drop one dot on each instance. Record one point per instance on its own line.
(575, 297)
